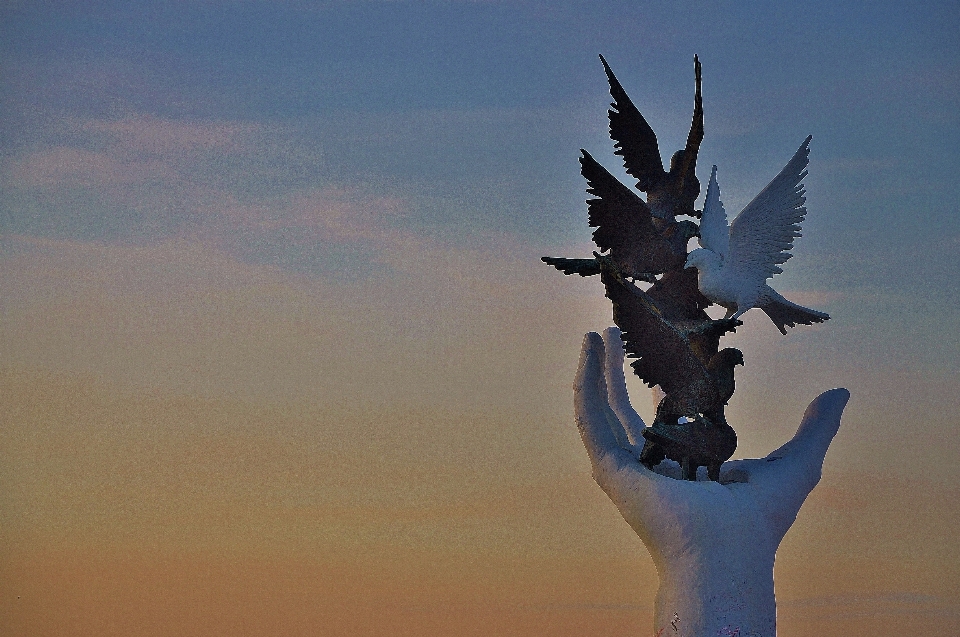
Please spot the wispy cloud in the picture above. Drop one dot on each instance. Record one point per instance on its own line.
(66, 166)
(334, 230)
(172, 174)
(814, 298)
(328, 214)
(147, 134)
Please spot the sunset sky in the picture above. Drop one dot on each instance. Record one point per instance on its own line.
(278, 355)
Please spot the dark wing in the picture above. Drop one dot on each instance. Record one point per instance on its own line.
(583, 267)
(663, 353)
(694, 138)
(624, 225)
(677, 295)
(634, 140)
(682, 186)
(680, 301)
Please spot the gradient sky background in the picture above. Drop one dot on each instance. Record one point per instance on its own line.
(279, 356)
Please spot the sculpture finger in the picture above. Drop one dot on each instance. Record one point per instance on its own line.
(597, 422)
(820, 424)
(791, 472)
(617, 394)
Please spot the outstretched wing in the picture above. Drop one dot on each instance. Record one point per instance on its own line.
(714, 231)
(688, 186)
(583, 267)
(621, 218)
(765, 229)
(663, 354)
(695, 136)
(634, 140)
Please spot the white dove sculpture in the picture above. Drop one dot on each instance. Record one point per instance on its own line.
(733, 264)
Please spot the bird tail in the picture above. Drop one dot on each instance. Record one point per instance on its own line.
(785, 314)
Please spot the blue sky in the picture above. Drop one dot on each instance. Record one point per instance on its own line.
(469, 116)
(875, 84)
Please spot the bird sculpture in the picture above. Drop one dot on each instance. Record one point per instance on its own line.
(643, 237)
(669, 194)
(684, 359)
(642, 245)
(734, 263)
(660, 293)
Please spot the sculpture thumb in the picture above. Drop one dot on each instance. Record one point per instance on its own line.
(820, 424)
(799, 463)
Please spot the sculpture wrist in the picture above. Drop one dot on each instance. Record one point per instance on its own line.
(738, 607)
(714, 590)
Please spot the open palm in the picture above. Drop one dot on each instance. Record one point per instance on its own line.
(713, 543)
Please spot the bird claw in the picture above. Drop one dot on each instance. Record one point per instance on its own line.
(711, 326)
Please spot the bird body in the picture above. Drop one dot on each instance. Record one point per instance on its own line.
(712, 278)
(684, 359)
(643, 237)
(669, 193)
(734, 263)
(641, 244)
(674, 342)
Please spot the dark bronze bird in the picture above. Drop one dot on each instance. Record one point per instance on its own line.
(682, 356)
(680, 302)
(669, 194)
(640, 244)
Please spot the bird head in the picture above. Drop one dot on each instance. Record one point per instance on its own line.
(687, 229)
(676, 160)
(735, 356)
(702, 259)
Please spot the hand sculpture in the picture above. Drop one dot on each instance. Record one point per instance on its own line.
(713, 543)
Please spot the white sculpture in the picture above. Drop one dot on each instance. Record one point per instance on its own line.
(713, 543)
(734, 263)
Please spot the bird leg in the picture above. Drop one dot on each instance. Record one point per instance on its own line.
(728, 324)
(689, 467)
(713, 471)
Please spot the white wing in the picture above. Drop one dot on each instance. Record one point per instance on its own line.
(714, 232)
(765, 229)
